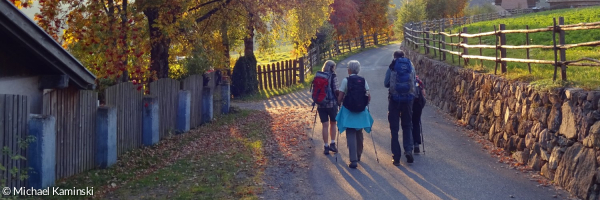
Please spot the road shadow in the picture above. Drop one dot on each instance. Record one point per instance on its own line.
(363, 183)
(300, 98)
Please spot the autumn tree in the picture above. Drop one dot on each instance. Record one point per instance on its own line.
(354, 18)
(410, 11)
(344, 18)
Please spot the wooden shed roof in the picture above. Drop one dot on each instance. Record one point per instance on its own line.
(26, 37)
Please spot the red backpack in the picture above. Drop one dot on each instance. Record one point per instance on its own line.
(321, 89)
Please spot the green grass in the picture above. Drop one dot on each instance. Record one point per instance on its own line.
(203, 173)
(541, 75)
(268, 93)
(281, 53)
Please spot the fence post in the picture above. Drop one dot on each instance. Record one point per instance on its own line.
(465, 50)
(301, 69)
(563, 52)
(362, 41)
(375, 40)
(527, 43)
(443, 40)
(459, 46)
(555, 49)
(413, 36)
(496, 39)
(502, 49)
(260, 77)
(288, 72)
(41, 154)
(433, 42)
(269, 76)
(426, 41)
(294, 71)
(183, 111)
(349, 46)
(451, 46)
(150, 120)
(207, 104)
(106, 136)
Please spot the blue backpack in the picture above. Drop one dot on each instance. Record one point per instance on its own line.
(402, 82)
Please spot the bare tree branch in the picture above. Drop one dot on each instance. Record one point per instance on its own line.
(204, 4)
(213, 11)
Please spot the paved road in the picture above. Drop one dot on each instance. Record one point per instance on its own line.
(453, 167)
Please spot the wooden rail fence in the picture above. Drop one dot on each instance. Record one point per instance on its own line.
(432, 37)
(286, 73)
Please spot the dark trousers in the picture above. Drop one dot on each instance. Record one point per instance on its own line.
(401, 112)
(355, 143)
(418, 106)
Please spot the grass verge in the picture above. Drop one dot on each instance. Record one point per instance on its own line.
(541, 75)
(266, 94)
(225, 159)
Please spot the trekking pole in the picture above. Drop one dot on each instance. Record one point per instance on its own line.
(338, 152)
(313, 128)
(373, 140)
(422, 141)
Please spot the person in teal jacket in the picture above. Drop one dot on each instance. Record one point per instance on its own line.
(353, 122)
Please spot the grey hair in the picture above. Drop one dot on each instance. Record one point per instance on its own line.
(354, 66)
(328, 66)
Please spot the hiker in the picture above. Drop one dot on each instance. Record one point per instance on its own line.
(354, 115)
(418, 106)
(324, 90)
(400, 79)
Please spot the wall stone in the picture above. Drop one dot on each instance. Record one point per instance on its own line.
(556, 131)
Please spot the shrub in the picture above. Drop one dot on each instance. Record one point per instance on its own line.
(244, 79)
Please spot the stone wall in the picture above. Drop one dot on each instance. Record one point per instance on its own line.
(556, 132)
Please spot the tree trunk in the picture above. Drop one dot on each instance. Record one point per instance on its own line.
(362, 34)
(249, 40)
(225, 39)
(124, 29)
(159, 53)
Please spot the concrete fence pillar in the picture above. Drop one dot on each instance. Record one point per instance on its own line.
(106, 136)
(150, 120)
(184, 111)
(207, 105)
(41, 154)
(226, 96)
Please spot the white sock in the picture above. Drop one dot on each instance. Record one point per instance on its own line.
(326, 144)
(332, 141)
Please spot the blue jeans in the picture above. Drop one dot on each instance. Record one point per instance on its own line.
(401, 112)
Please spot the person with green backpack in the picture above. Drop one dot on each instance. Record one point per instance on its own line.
(354, 114)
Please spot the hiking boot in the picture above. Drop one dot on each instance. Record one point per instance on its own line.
(332, 147)
(409, 158)
(417, 150)
(326, 151)
(353, 165)
(396, 161)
